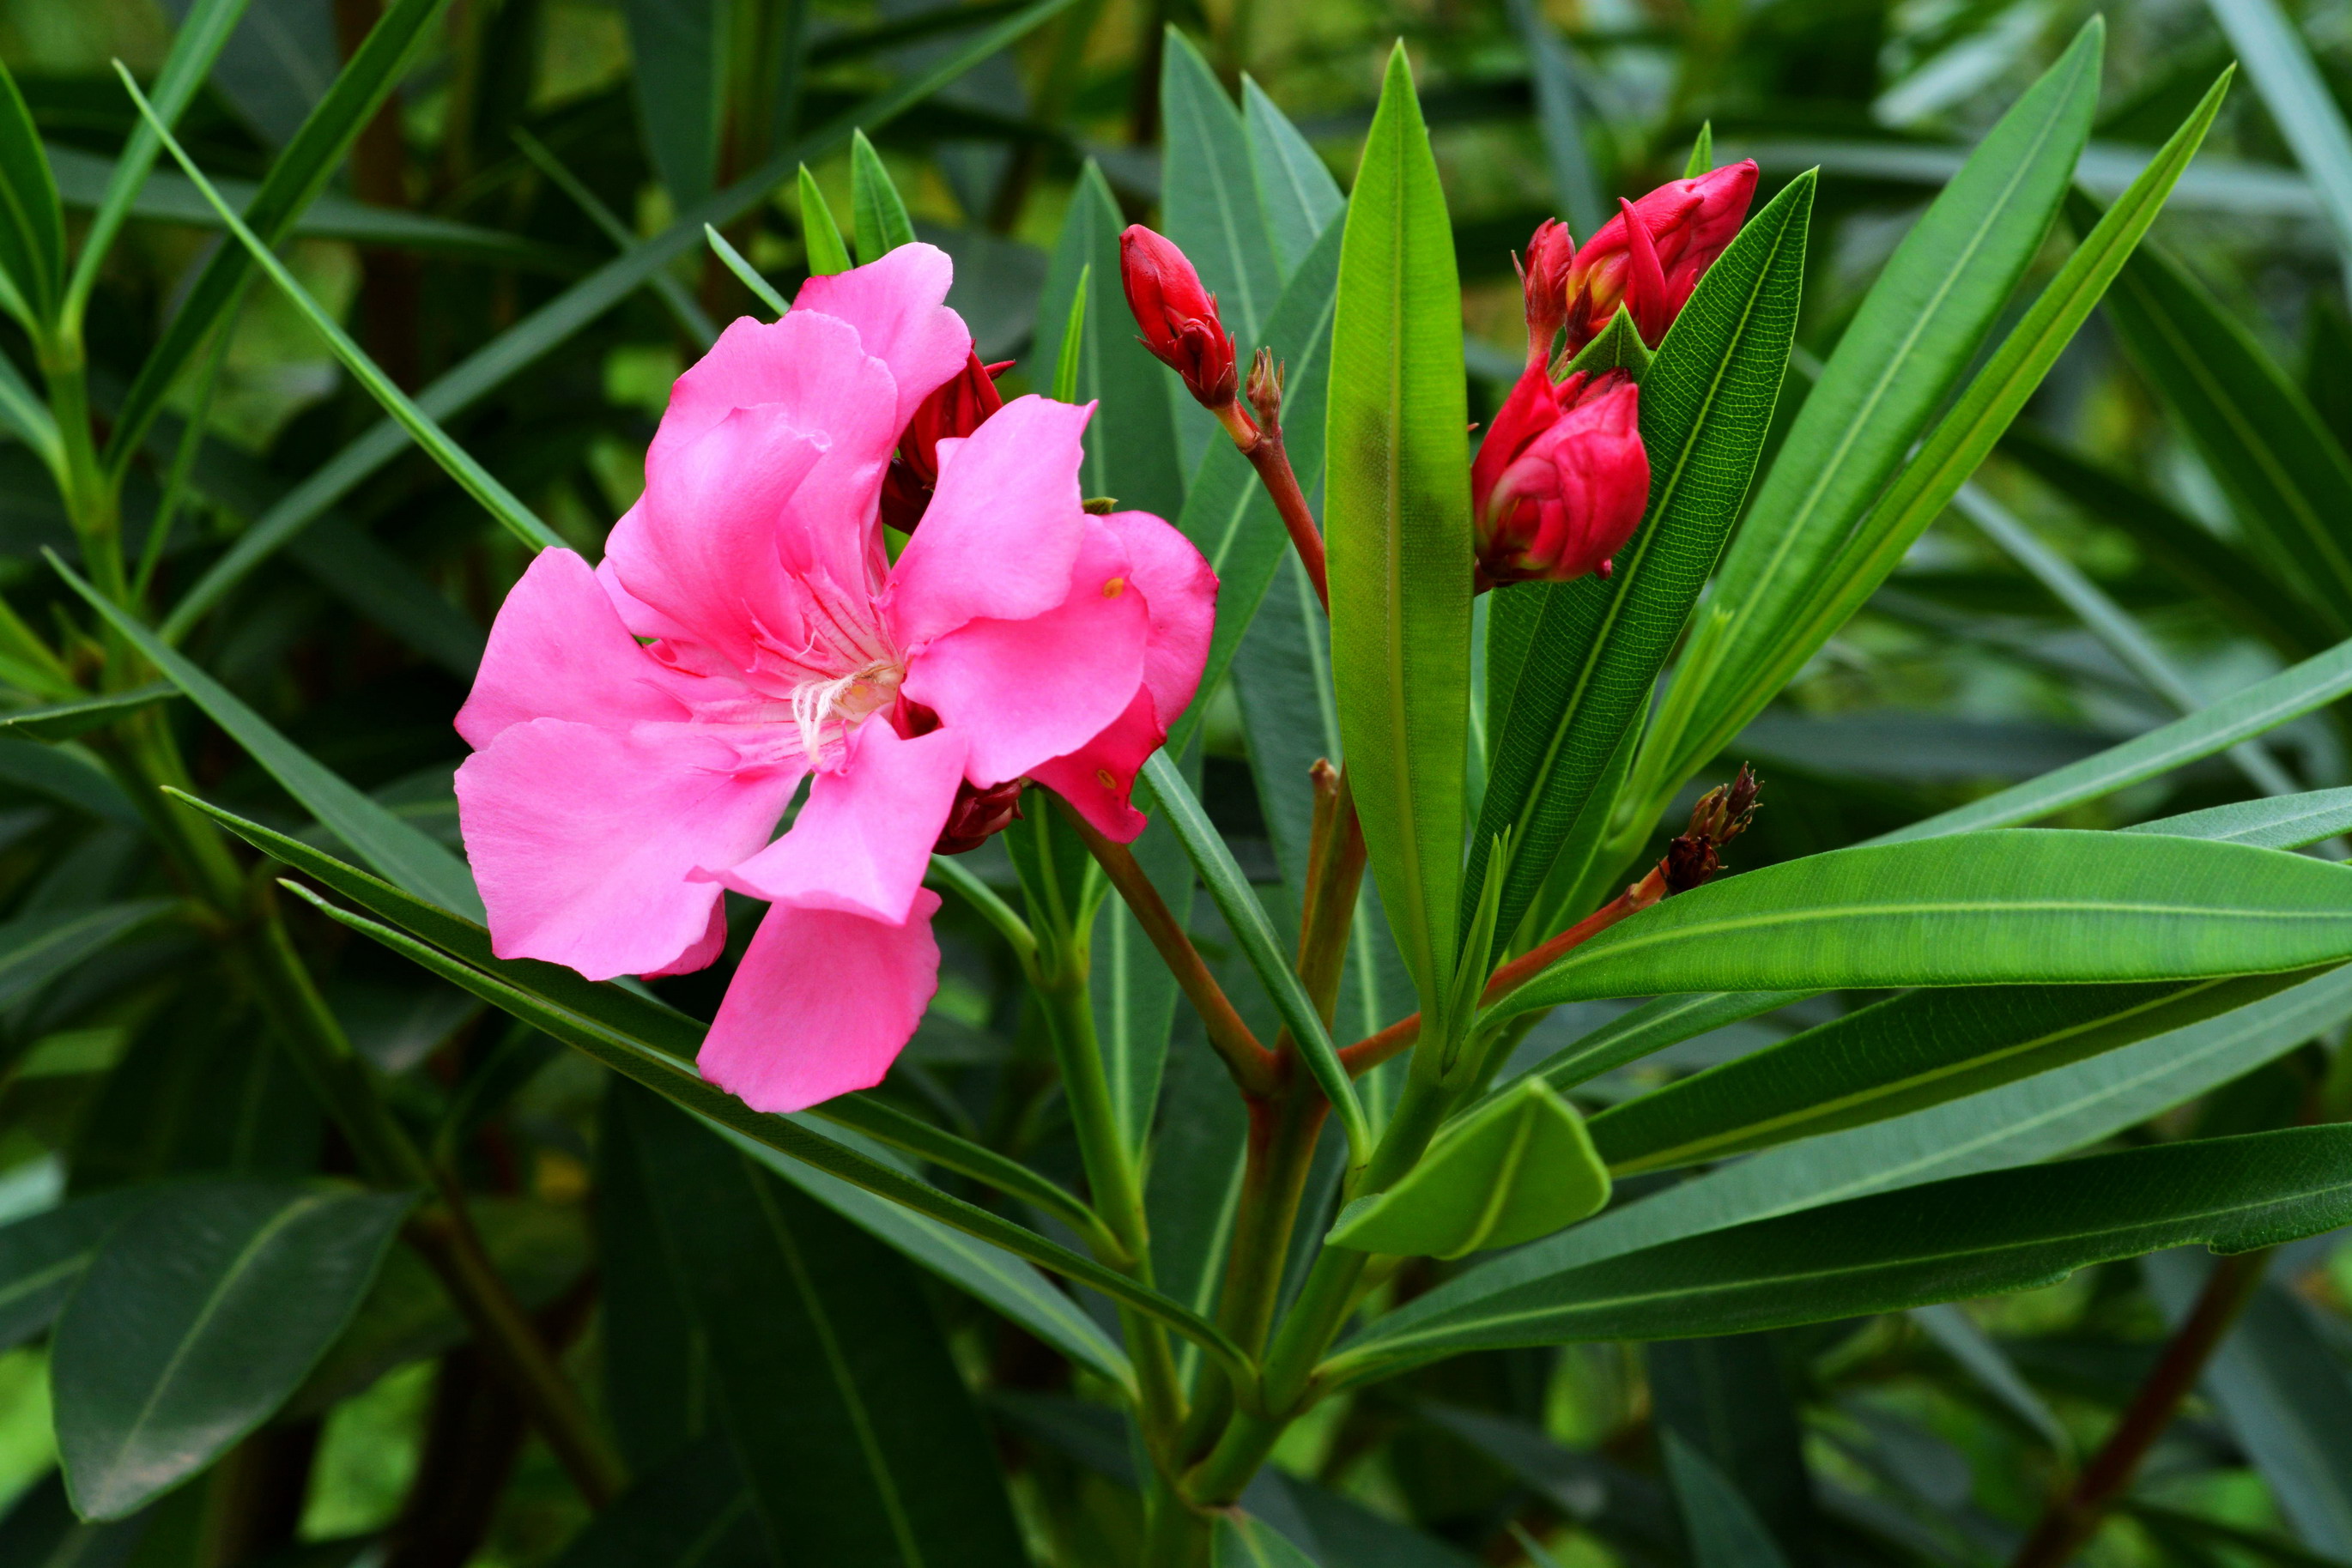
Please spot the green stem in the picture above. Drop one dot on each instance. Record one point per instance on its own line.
(93, 504)
(1175, 1534)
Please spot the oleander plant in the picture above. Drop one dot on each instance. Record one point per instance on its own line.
(1081, 783)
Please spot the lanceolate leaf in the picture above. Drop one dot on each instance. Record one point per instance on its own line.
(1723, 1528)
(879, 215)
(1897, 361)
(1297, 192)
(42, 1258)
(32, 223)
(2043, 907)
(1595, 652)
(197, 1318)
(819, 233)
(1398, 523)
(1208, 198)
(2280, 822)
(1980, 1235)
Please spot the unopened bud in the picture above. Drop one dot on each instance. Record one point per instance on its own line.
(956, 409)
(1562, 480)
(977, 815)
(1721, 815)
(1650, 256)
(1543, 279)
(1178, 316)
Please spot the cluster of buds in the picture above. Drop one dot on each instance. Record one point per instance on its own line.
(1178, 316)
(978, 815)
(1647, 258)
(1559, 483)
(956, 409)
(1721, 815)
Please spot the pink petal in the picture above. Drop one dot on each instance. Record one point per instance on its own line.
(894, 304)
(700, 548)
(559, 651)
(1182, 592)
(583, 839)
(1024, 691)
(1097, 777)
(703, 954)
(822, 1005)
(863, 840)
(1004, 527)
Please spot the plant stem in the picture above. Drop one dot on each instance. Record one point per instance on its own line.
(1175, 1534)
(2070, 1521)
(1260, 441)
(1335, 875)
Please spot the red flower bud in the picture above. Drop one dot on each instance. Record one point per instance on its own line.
(1650, 267)
(1544, 281)
(1562, 480)
(977, 814)
(1178, 316)
(956, 409)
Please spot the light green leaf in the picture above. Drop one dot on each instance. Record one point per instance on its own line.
(200, 1314)
(2281, 822)
(879, 215)
(819, 233)
(1208, 195)
(1294, 190)
(1518, 1167)
(1620, 346)
(1398, 528)
(745, 273)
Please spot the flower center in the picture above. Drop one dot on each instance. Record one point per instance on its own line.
(832, 709)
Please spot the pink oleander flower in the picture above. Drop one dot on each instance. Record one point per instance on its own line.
(1562, 480)
(640, 729)
(1653, 252)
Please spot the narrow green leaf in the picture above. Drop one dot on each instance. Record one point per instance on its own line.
(1398, 525)
(1294, 188)
(2281, 822)
(561, 318)
(696, 1513)
(1655, 1025)
(1724, 1530)
(200, 1314)
(2044, 906)
(2299, 102)
(1952, 1328)
(677, 54)
(1620, 346)
(67, 774)
(1517, 1168)
(2289, 480)
(1209, 199)
(63, 721)
(1597, 643)
(387, 842)
(1702, 152)
(1574, 183)
(27, 417)
(32, 220)
(820, 235)
(879, 216)
(745, 273)
(1074, 338)
(674, 294)
(1241, 1541)
(36, 948)
(1975, 1236)
(501, 503)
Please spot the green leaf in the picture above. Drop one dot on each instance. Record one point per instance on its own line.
(1295, 189)
(2217, 726)
(1655, 1025)
(1241, 1541)
(67, 774)
(198, 40)
(695, 1512)
(502, 504)
(2044, 906)
(1975, 1236)
(2281, 822)
(1227, 514)
(745, 273)
(1209, 198)
(42, 1258)
(1702, 152)
(559, 321)
(1823, 595)
(2290, 482)
(32, 221)
(844, 1409)
(1723, 1531)
(1952, 1328)
(36, 948)
(879, 216)
(197, 1318)
(1517, 1168)
(2233, 581)
(677, 56)
(1131, 440)
(2035, 1119)
(1133, 994)
(1574, 185)
(387, 842)
(63, 721)
(1594, 653)
(1398, 528)
(820, 235)
(1920, 1048)
(2299, 102)
(1620, 346)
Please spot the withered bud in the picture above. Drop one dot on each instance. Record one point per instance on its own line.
(1099, 506)
(977, 815)
(1263, 389)
(1721, 815)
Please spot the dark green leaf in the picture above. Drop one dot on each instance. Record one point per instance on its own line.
(1517, 1168)
(696, 1513)
(1297, 192)
(678, 52)
(42, 1258)
(1208, 196)
(32, 222)
(1723, 1531)
(63, 721)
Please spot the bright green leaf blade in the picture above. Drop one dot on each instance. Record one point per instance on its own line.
(745, 273)
(200, 1314)
(819, 233)
(1824, 600)
(392, 846)
(1208, 198)
(32, 220)
(501, 503)
(42, 1258)
(2034, 907)
(2289, 480)
(1620, 346)
(846, 1411)
(1723, 1530)
(1597, 643)
(63, 721)
(559, 321)
(1398, 528)
(1297, 192)
(2281, 822)
(1918, 1049)
(1922, 320)
(198, 40)
(1517, 1168)
(877, 213)
(1975, 1236)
